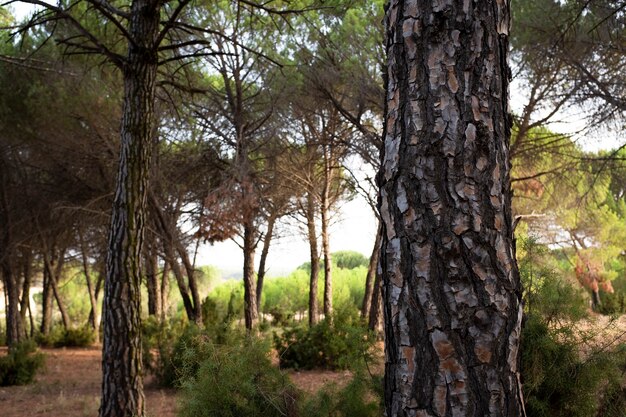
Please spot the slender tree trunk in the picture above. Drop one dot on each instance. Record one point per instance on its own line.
(328, 267)
(122, 373)
(93, 319)
(46, 303)
(180, 280)
(376, 302)
(27, 268)
(191, 279)
(152, 277)
(451, 288)
(264, 252)
(315, 259)
(54, 273)
(13, 319)
(7, 252)
(371, 274)
(251, 315)
(164, 288)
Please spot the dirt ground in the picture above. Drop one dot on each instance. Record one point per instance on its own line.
(70, 387)
(70, 384)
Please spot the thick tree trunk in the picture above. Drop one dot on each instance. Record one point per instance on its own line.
(251, 315)
(315, 260)
(451, 286)
(122, 374)
(371, 274)
(267, 240)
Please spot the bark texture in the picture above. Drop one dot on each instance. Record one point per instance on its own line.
(251, 312)
(122, 379)
(371, 274)
(451, 286)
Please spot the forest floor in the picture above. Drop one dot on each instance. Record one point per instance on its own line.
(69, 386)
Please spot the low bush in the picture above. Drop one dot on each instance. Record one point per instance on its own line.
(21, 364)
(558, 382)
(361, 397)
(173, 351)
(236, 381)
(59, 337)
(330, 344)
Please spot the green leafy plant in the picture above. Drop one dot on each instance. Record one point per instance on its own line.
(59, 337)
(21, 364)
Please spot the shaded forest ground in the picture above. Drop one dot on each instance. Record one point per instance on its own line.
(70, 384)
(70, 387)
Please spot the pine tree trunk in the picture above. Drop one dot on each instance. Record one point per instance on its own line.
(152, 277)
(315, 260)
(371, 274)
(46, 304)
(452, 295)
(191, 279)
(376, 303)
(251, 315)
(122, 373)
(328, 267)
(14, 327)
(28, 275)
(93, 319)
(267, 240)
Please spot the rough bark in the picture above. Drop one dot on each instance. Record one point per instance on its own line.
(251, 315)
(452, 296)
(267, 240)
(315, 259)
(122, 374)
(27, 272)
(46, 304)
(371, 274)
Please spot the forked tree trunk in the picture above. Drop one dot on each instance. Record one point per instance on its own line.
(93, 318)
(267, 240)
(251, 315)
(452, 294)
(315, 260)
(122, 374)
(371, 274)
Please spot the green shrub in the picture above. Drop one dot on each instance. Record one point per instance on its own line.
(237, 381)
(173, 351)
(557, 381)
(60, 337)
(21, 364)
(612, 303)
(361, 397)
(330, 344)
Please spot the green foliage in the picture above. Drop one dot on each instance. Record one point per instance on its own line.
(546, 293)
(361, 397)
(172, 351)
(348, 259)
(59, 337)
(557, 381)
(236, 381)
(21, 364)
(330, 344)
